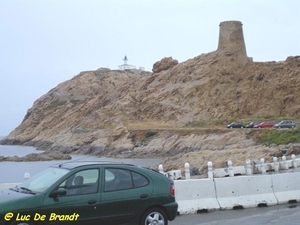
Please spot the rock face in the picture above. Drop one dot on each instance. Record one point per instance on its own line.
(164, 64)
(115, 113)
(45, 156)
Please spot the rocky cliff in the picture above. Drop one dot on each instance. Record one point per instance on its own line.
(136, 113)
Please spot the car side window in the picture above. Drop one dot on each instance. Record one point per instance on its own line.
(82, 182)
(122, 179)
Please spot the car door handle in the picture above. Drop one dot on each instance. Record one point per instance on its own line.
(91, 202)
(144, 196)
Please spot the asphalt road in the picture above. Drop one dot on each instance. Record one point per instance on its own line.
(272, 215)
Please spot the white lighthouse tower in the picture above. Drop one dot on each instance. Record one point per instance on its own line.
(126, 66)
(125, 60)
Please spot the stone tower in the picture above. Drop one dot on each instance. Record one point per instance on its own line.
(231, 42)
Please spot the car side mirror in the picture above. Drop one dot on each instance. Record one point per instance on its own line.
(59, 191)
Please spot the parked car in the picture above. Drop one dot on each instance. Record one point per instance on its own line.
(266, 124)
(285, 124)
(252, 124)
(235, 125)
(91, 193)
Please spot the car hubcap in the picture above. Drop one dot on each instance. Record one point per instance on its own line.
(155, 218)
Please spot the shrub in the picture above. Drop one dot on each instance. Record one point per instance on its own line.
(279, 137)
(150, 133)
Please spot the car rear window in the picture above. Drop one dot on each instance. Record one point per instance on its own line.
(122, 179)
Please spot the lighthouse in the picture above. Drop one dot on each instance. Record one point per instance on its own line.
(125, 60)
(125, 65)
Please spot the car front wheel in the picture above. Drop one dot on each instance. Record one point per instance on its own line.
(154, 216)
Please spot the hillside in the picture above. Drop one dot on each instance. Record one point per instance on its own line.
(112, 113)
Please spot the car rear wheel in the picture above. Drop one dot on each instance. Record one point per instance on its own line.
(154, 216)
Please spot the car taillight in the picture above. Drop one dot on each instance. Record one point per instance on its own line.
(172, 190)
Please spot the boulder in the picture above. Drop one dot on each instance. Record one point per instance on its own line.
(294, 149)
(164, 64)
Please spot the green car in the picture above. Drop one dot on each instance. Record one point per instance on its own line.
(91, 193)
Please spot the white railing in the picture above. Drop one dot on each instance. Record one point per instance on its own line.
(260, 167)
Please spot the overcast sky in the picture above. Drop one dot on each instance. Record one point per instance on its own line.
(46, 42)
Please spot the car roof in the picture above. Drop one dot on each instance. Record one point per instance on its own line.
(75, 164)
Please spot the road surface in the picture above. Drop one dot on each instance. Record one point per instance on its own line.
(272, 215)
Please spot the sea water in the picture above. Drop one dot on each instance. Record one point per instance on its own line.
(13, 172)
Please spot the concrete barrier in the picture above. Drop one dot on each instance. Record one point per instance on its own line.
(286, 187)
(245, 191)
(173, 174)
(224, 172)
(195, 195)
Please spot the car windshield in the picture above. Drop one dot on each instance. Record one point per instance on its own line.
(43, 180)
